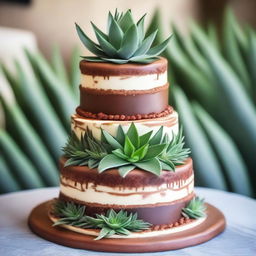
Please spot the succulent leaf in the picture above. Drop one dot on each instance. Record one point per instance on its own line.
(95, 28)
(126, 21)
(129, 43)
(128, 146)
(124, 170)
(88, 43)
(105, 45)
(146, 44)
(120, 136)
(133, 135)
(154, 151)
(115, 33)
(145, 138)
(157, 138)
(111, 161)
(140, 26)
(153, 165)
(158, 49)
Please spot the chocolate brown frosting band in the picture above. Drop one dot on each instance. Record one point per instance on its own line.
(130, 69)
(135, 179)
(103, 116)
(121, 104)
(155, 215)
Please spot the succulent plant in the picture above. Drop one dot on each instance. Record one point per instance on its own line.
(195, 209)
(121, 223)
(124, 42)
(126, 151)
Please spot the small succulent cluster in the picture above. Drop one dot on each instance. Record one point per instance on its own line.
(127, 151)
(112, 223)
(124, 42)
(85, 150)
(195, 209)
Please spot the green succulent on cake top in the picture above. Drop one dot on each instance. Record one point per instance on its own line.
(124, 42)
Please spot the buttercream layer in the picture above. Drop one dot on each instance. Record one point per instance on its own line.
(138, 188)
(170, 125)
(130, 69)
(124, 82)
(124, 102)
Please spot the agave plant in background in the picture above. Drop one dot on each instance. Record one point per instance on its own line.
(215, 96)
(213, 89)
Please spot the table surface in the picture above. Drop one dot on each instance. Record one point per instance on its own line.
(239, 238)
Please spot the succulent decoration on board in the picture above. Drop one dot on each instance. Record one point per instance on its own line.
(195, 209)
(124, 42)
(127, 151)
(121, 223)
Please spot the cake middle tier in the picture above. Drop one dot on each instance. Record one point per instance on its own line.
(128, 89)
(80, 124)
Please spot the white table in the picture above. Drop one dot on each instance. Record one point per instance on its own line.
(239, 238)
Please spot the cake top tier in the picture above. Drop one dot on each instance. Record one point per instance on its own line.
(129, 90)
(125, 41)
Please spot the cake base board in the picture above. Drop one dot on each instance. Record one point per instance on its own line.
(41, 225)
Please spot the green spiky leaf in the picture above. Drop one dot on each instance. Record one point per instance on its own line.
(174, 152)
(116, 33)
(85, 150)
(111, 161)
(88, 43)
(129, 44)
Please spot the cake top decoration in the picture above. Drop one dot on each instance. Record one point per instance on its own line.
(124, 42)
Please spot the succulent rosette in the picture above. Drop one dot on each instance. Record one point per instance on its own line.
(124, 42)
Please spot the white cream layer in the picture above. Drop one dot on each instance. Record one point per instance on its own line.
(142, 82)
(93, 232)
(170, 124)
(89, 193)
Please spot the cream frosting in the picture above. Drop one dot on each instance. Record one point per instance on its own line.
(141, 82)
(170, 124)
(148, 195)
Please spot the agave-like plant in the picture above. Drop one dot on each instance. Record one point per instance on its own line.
(124, 42)
(195, 209)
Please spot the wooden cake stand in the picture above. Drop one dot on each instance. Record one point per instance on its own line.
(41, 225)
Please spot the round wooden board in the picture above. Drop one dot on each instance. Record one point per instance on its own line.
(41, 225)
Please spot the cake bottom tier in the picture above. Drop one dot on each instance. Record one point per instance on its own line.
(156, 199)
(156, 215)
